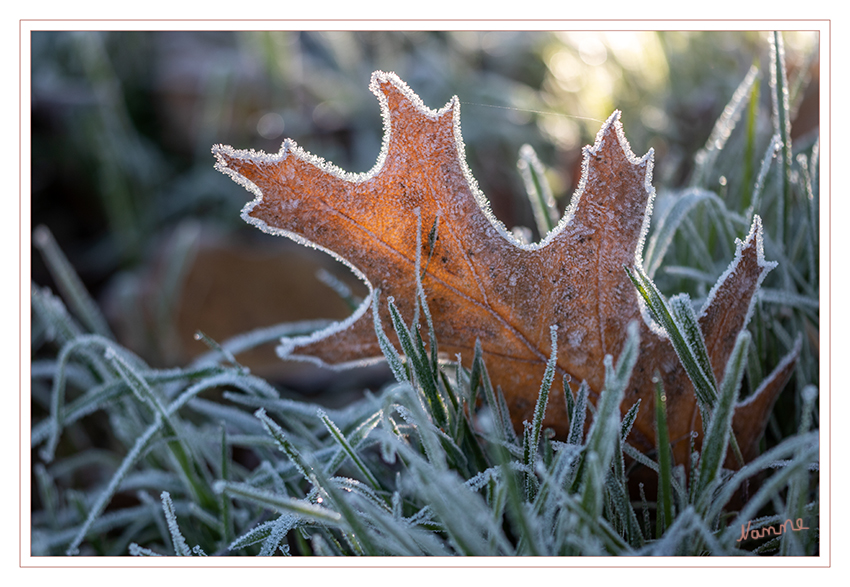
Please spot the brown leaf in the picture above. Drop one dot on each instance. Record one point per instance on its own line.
(480, 282)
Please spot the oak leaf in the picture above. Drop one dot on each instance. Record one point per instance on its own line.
(420, 207)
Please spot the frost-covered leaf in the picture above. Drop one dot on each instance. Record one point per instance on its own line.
(483, 284)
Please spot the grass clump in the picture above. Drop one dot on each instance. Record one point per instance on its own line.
(421, 468)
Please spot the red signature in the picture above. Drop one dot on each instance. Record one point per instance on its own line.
(770, 530)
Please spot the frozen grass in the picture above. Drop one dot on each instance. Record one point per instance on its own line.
(430, 465)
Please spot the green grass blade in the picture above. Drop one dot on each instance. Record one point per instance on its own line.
(360, 537)
(605, 430)
(422, 301)
(392, 356)
(253, 536)
(136, 550)
(791, 447)
(683, 312)
(750, 147)
(546, 214)
(82, 345)
(668, 225)
(618, 490)
(795, 502)
(773, 149)
(770, 489)
(579, 414)
(600, 528)
(414, 413)
(349, 450)
(628, 356)
(260, 336)
(299, 507)
(354, 439)
(339, 288)
(500, 419)
(665, 461)
(103, 498)
(69, 283)
(420, 366)
(60, 327)
(226, 473)
(278, 532)
(182, 455)
(706, 392)
(812, 248)
(629, 420)
(542, 401)
(516, 505)
(723, 128)
(717, 437)
(782, 125)
(180, 546)
(569, 399)
(90, 402)
(285, 446)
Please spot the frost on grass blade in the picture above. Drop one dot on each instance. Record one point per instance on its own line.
(539, 192)
(136, 550)
(180, 546)
(69, 283)
(673, 216)
(579, 415)
(723, 128)
(717, 437)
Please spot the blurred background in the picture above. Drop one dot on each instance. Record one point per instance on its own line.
(123, 123)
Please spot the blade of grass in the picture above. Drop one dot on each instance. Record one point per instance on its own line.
(683, 312)
(349, 450)
(717, 437)
(605, 430)
(69, 283)
(420, 366)
(180, 546)
(530, 455)
(662, 236)
(537, 189)
(354, 439)
(182, 455)
(782, 126)
(629, 420)
(580, 414)
(795, 502)
(283, 443)
(750, 146)
(665, 460)
(60, 325)
(723, 128)
(706, 392)
(224, 503)
(392, 356)
(773, 149)
(299, 507)
(787, 448)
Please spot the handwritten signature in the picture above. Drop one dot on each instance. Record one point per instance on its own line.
(770, 530)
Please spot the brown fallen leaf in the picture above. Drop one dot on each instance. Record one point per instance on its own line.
(483, 284)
